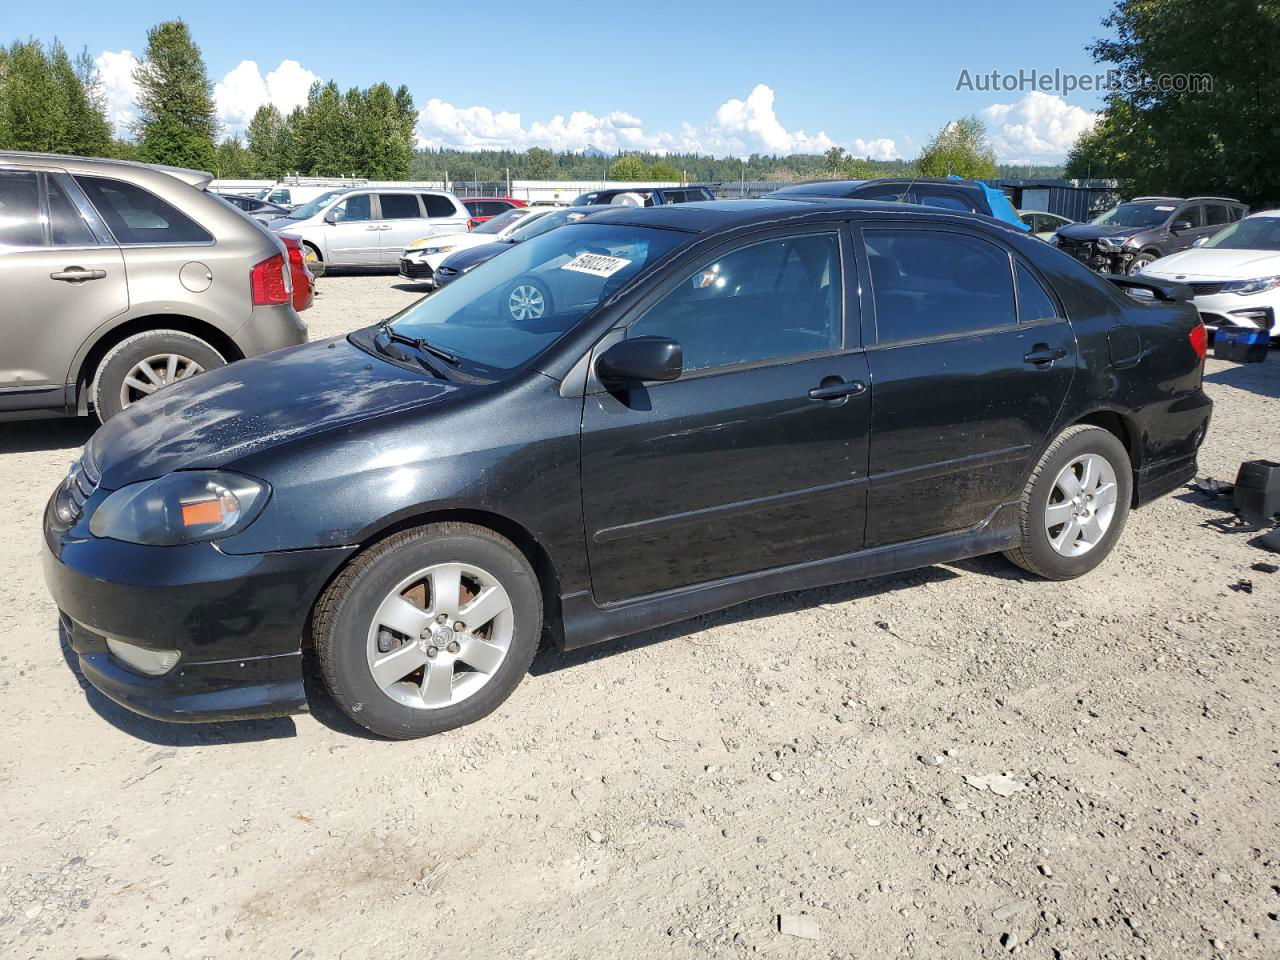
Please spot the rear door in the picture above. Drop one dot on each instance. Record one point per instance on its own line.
(971, 363)
(402, 221)
(354, 235)
(61, 274)
(737, 466)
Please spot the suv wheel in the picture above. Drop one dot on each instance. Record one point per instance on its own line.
(428, 630)
(315, 263)
(1142, 261)
(1075, 504)
(138, 366)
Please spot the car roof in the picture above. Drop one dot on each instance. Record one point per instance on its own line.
(500, 199)
(707, 216)
(196, 178)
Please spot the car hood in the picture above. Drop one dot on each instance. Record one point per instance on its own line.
(1214, 264)
(445, 240)
(1092, 231)
(253, 405)
(466, 259)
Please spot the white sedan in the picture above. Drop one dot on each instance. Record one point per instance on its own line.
(1234, 276)
(422, 258)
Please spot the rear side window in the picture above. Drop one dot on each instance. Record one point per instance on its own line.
(399, 206)
(933, 283)
(1034, 302)
(438, 206)
(1216, 213)
(946, 201)
(770, 300)
(20, 224)
(136, 215)
(66, 227)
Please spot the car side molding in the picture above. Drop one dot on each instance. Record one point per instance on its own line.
(586, 622)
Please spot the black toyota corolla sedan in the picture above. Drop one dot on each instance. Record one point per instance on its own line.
(718, 401)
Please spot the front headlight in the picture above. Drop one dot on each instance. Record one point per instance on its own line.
(180, 508)
(1112, 243)
(1246, 287)
(434, 250)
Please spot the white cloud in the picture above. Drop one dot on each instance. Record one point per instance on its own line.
(115, 68)
(1038, 128)
(740, 127)
(243, 90)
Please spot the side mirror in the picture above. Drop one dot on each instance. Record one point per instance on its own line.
(1199, 241)
(642, 360)
(331, 217)
(1180, 225)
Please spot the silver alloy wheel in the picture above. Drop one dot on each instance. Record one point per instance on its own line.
(1081, 505)
(526, 303)
(1140, 263)
(440, 635)
(149, 375)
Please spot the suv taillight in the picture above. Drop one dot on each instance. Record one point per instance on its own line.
(1199, 338)
(473, 223)
(270, 282)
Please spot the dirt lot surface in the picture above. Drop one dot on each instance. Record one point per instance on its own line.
(824, 755)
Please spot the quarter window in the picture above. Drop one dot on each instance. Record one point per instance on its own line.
(438, 206)
(399, 206)
(773, 299)
(136, 215)
(20, 224)
(933, 283)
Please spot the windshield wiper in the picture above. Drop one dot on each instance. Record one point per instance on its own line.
(420, 344)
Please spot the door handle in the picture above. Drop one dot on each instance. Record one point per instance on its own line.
(77, 275)
(374, 226)
(1043, 355)
(833, 388)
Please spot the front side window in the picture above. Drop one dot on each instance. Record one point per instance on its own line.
(501, 317)
(20, 224)
(932, 283)
(1192, 215)
(766, 301)
(136, 215)
(354, 209)
(399, 206)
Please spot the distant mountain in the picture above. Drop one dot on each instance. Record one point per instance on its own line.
(593, 151)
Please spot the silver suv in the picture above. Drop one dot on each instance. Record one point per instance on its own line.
(368, 227)
(120, 278)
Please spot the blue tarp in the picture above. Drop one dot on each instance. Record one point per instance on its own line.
(1001, 208)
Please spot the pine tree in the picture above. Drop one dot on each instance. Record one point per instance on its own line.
(86, 131)
(177, 123)
(268, 143)
(33, 104)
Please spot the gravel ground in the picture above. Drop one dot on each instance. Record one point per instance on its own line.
(825, 756)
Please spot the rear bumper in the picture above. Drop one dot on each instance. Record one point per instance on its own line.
(1172, 450)
(271, 328)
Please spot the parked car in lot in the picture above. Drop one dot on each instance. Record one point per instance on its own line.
(293, 196)
(1134, 234)
(738, 398)
(120, 278)
(368, 227)
(484, 209)
(260, 210)
(463, 261)
(1042, 223)
(1234, 276)
(949, 193)
(645, 196)
(420, 259)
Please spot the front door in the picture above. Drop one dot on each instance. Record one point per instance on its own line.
(972, 362)
(353, 236)
(61, 274)
(756, 456)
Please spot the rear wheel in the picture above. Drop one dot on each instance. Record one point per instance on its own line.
(1075, 505)
(145, 363)
(429, 630)
(315, 263)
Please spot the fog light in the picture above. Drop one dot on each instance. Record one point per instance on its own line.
(151, 662)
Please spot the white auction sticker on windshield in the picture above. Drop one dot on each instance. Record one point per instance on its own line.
(595, 264)
(1165, 209)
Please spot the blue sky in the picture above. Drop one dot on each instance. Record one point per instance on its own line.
(877, 78)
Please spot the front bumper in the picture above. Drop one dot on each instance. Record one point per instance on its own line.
(1260, 310)
(236, 621)
(417, 270)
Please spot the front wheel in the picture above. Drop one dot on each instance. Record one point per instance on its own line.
(1141, 262)
(431, 629)
(1075, 505)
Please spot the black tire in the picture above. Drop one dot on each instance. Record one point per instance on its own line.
(543, 291)
(1149, 255)
(128, 353)
(344, 614)
(1035, 553)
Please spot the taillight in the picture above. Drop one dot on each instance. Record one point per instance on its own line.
(270, 282)
(1199, 338)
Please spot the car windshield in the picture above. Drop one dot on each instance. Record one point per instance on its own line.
(539, 224)
(1255, 233)
(1136, 215)
(501, 221)
(502, 316)
(310, 209)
